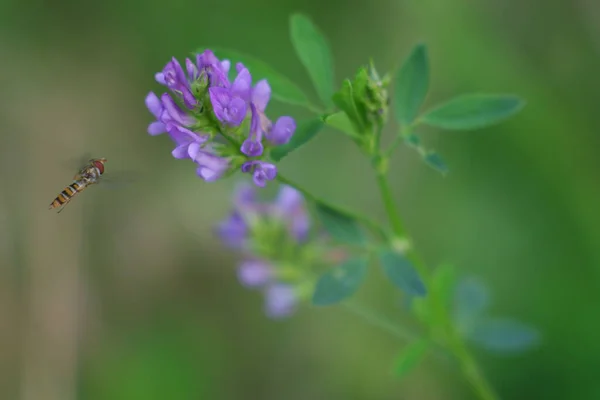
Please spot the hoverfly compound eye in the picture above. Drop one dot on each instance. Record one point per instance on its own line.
(99, 165)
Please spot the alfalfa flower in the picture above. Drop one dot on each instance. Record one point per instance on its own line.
(273, 239)
(229, 109)
(219, 124)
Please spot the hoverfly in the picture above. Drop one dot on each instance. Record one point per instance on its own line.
(88, 175)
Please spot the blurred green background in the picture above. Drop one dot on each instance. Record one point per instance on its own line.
(127, 294)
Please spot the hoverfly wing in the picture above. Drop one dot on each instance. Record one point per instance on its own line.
(119, 179)
(111, 179)
(78, 161)
(74, 164)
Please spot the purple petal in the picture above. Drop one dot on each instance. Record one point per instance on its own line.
(211, 161)
(281, 301)
(160, 78)
(248, 166)
(300, 225)
(261, 171)
(261, 94)
(209, 62)
(237, 111)
(265, 123)
(174, 75)
(174, 112)
(206, 58)
(239, 67)
(262, 175)
(233, 231)
(288, 200)
(166, 118)
(291, 207)
(208, 174)
(156, 128)
(154, 105)
(220, 99)
(181, 135)
(229, 110)
(193, 150)
(179, 71)
(218, 78)
(225, 65)
(282, 131)
(254, 273)
(170, 75)
(252, 148)
(181, 151)
(210, 166)
(255, 120)
(242, 83)
(245, 195)
(188, 98)
(264, 172)
(259, 178)
(191, 69)
(270, 170)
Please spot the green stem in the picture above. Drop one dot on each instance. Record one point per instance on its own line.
(455, 344)
(471, 370)
(400, 137)
(379, 321)
(229, 138)
(313, 108)
(390, 208)
(372, 225)
(384, 323)
(469, 367)
(395, 143)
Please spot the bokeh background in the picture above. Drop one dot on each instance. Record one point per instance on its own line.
(128, 295)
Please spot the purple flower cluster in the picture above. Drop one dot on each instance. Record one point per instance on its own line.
(204, 115)
(248, 229)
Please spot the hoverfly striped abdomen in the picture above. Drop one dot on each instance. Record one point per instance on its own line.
(88, 175)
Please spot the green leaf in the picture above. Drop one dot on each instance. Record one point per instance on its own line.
(413, 140)
(421, 307)
(412, 83)
(401, 273)
(314, 53)
(341, 227)
(444, 284)
(431, 157)
(340, 282)
(471, 302)
(504, 335)
(473, 111)
(351, 99)
(360, 87)
(282, 88)
(442, 293)
(435, 161)
(344, 100)
(305, 131)
(410, 357)
(341, 122)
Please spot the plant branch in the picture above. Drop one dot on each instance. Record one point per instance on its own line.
(372, 225)
(471, 370)
(454, 342)
(379, 321)
(390, 208)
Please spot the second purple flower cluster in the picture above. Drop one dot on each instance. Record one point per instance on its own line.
(271, 236)
(220, 125)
